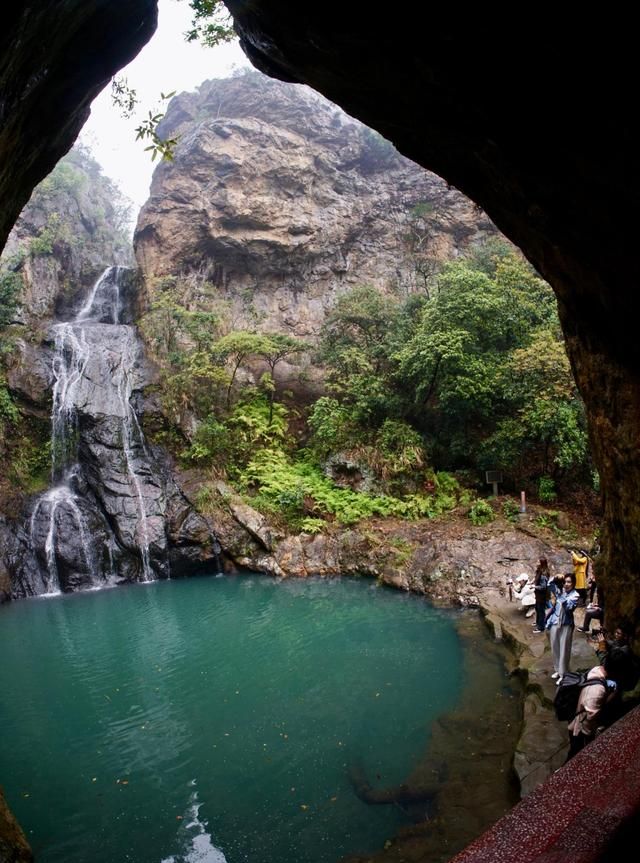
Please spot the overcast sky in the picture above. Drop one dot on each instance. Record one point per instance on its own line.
(166, 63)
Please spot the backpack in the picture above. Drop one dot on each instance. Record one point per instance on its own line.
(565, 703)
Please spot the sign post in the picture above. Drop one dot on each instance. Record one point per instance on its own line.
(493, 477)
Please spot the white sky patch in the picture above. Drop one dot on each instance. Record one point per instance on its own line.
(165, 64)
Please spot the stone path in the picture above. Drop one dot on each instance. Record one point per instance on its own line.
(542, 746)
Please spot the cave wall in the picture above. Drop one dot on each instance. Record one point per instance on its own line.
(533, 126)
(54, 60)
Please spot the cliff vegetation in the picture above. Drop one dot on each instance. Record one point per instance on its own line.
(420, 394)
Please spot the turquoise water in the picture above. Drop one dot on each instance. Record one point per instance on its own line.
(215, 719)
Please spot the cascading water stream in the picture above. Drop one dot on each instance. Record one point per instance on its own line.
(122, 380)
(98, 307)
(57, 499)
(69, 361)
(76, 343)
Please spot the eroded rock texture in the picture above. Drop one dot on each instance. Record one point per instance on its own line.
(282, 202)
(529, 124)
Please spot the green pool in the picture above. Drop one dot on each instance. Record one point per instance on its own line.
(218, 719)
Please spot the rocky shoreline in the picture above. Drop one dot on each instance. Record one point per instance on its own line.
(14, 847)
(542, 746)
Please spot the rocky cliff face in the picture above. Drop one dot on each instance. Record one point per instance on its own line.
(75, 220)
(84, 501)
(112, 511)
(546, 148)
(283, 202)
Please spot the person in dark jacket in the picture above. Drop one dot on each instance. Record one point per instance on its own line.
(623, 666)
(595, 609)
(617, 656)
(540, 583)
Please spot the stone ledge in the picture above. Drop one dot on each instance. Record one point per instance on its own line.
(543, 742)
(571, 818)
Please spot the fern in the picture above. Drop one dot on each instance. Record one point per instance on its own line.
(296, 489)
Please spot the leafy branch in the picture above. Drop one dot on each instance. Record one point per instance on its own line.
(211, 24)
(148, 129)
(124, 97)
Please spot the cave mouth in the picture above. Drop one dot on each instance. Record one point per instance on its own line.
(237, 718)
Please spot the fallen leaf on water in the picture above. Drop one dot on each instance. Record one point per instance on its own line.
(303, 806)
(178, 817)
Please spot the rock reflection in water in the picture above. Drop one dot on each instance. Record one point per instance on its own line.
(465, 781)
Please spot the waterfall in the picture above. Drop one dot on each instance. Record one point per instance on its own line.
(113, 511)
(130, 431)
(69, 361)
(104, 299)
(57, 499)
(92, 370)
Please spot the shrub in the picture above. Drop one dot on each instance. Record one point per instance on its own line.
(546, 490)
(299, 489)
(312, 525)
(43, 243)
(481, 513)
(10, 287)
(510, 510)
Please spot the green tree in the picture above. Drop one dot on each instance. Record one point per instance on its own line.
(279, 347)
(10, 287)
(546, 432)
(454, 361)
(211, 24)
(357, 344)
(183, 341)
(236, 348)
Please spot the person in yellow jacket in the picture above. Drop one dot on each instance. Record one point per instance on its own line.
(580, 561)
